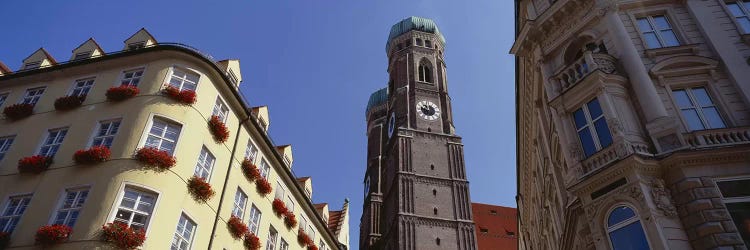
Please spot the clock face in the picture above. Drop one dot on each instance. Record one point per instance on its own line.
(391, 124)
(428, 110)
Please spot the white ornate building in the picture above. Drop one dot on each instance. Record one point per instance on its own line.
(633, 124)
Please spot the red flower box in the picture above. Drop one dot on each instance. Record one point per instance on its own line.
(34, 164)
(218, 129)
(250, 171)
(200, 189)
(122, 93)
(263, 186)
(18, 111)
(52, 234)
(69, 102)
(290, 220)
(251, 242)
(279, 207)
(312, 247)
(236, 228)
(93, 155)
(4, 240)
(303, 239)
(123, 236)
(185, 96)
(155, 158)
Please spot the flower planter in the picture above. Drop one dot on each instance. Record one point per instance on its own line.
(251, 242)
(4, 240)
(236, 228)
(200, 189)
(312, 247)
(34, 164)
(122, 93)
(290, 220)
(279, 208)
(69, 102)
(123, 236)
(263, 186)
(303, 239)
(186, 97)
(18, 111)
(52, 234)
(250, 171)
(218, 129)
(154, 158)
(93, 155)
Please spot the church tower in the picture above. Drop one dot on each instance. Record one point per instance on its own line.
(416, 192)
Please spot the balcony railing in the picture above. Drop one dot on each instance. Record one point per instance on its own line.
(718, 137)
(581, 68)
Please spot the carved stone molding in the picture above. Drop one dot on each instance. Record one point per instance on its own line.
(662, 198)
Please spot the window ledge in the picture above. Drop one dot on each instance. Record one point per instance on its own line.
(683, 49)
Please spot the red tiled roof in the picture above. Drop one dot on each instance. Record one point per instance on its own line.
(320, 205)
(303, 178)
(4, 69)
(334, 221)
(496, 226)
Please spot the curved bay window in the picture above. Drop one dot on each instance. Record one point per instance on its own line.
(592, 127)
(625, 230)
(425, 71)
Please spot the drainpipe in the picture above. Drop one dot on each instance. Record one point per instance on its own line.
(226, 180)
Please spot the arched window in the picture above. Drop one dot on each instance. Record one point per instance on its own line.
(425, 71)
(625, 230)
(428, 43)
(419, 42)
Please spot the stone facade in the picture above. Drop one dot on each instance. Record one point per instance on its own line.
(416, 192)
(633, 105)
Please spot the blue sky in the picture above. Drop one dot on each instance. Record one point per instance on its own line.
(314, 63)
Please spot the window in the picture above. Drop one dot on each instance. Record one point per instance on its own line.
(302, 223)
(5, 143)
(135, 208)
(221, 110)
(205, 164)
(82, 87)
(32, 65)
(163, 135)
(428, 43)
(281, 194)
(271, 242)
(737, 199)
(419, 42)
(232, 76)
(131, 77)
(3, 97)
(136, 45)
(264, 169)
(251, 151)
(54, 139)
(68, 211)
(82, 55)
(254, 222)
(32, 95)
(106, 132)
(283, 245)
(592, 128)
(741, 11)
(425, 72)
(183, 236)
(240, 199)
(310, 231)
(657, 32)
(182, 79)
(625, 230)
(13, 211)
(322, 245)
(697, 108)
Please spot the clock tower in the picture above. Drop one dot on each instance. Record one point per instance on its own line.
(416, 192)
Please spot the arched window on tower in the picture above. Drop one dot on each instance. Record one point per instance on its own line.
(428, 43)
(425, 71)
(625, 230)
(419, 42)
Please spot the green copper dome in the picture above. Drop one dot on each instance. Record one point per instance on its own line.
(377, 98)
(413, 23)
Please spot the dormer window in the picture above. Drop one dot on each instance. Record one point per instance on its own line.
(233, 77)
(32, 65)
(287, 161)
(82, 55)
(136, 45)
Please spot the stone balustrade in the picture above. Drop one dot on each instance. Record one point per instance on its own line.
(718, 137)
(581, 68)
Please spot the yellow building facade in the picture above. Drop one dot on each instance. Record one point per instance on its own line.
(121, 189)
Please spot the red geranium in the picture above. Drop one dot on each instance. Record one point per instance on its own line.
(263, 186)
(200, 189)
(290, 220)
(122, 92)
(236, 227)
(218, 129)
(185, 96)
(34, 164)
(93, 155)
(18, 111)
(250, 171)
(156, 158)
(69, 102)
(123, 236)
(4, 239)
(303, 238)
(251, 242)
(312, 247)
(53, 234)
(279, 207)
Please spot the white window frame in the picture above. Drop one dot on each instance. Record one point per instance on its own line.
(283, 245)
(697, 107)
(590, 125)
(88, 84)
(5, 143)
(220, 109)
(32, 65)
(125, 185)
(16, 214)
(265, 168)
(303, 223)
(272, 240)
(240, 203)
(149, 124)
(733, 199)
(656, 31)
(123, 78)
(193, 231)
(183, 79)
(251, 152)
(56, 143)
(204, 164)
(32, 95)
(78, 199)
(254, 226)
(636, 218)
(322, 245)
(83, 55)
(311, 231)
(108, 134)
(745, 11)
